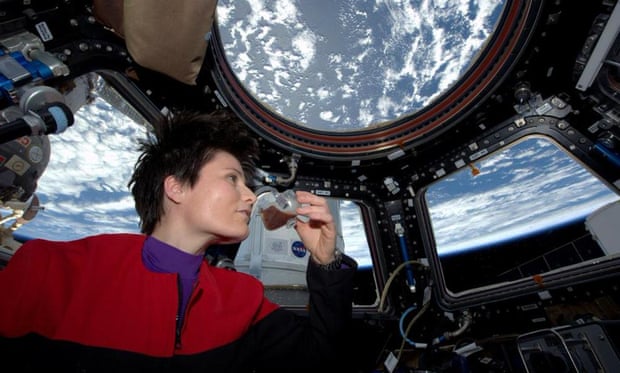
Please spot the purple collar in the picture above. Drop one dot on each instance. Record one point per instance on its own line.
(160, 257)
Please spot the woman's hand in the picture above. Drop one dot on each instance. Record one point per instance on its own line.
(319, 233)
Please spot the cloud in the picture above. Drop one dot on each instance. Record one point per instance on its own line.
(378, 61)
(529, 187)
(84, 188)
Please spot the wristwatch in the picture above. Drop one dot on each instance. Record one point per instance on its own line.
(334, 264)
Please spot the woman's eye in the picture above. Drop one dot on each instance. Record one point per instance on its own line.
(233, 178)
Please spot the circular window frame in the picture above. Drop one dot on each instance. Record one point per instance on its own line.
(485, 74)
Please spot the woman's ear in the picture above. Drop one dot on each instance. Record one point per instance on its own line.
(173, 189)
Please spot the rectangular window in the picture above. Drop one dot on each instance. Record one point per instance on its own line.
(515, 214)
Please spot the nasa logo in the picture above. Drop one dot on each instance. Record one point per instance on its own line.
(298, 249)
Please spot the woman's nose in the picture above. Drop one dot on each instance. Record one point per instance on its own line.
(248, 195)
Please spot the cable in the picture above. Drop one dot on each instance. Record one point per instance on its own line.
(292, 167)
(465, 322)
(402, 332)
(409, 326)
(391, 279)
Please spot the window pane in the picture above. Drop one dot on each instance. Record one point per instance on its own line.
(84, 189)
(352, 65)
(494, 221)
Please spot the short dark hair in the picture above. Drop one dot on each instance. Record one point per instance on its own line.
(180, 144)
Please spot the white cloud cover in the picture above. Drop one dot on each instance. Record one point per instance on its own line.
(84, 189)
(517, 192)
(378, 61)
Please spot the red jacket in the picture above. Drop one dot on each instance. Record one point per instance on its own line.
(91, 305)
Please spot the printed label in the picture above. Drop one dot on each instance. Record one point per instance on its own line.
(44, 31)
(17, 165)
(298, 249)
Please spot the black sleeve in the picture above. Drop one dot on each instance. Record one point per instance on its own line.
(288, 342)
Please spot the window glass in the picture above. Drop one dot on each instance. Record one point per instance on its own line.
(518, 212)
(352, 65)
(84, 188)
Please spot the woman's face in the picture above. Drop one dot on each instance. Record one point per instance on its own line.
(220, 203)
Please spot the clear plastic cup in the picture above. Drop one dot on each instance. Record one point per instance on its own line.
(278, 209)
